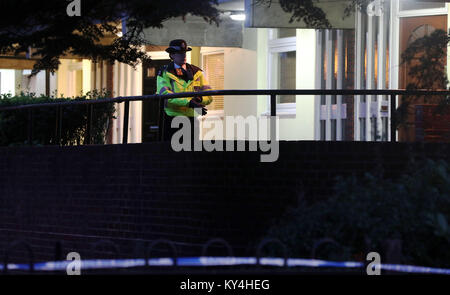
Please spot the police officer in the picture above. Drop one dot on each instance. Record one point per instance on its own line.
(179, 76)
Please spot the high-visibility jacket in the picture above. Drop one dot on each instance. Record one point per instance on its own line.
(171, 80)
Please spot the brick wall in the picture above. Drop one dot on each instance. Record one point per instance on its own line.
(136, 193)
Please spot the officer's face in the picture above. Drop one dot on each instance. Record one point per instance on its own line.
(179, 58)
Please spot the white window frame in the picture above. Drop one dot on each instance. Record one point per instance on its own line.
(278, 45)
(422, 12)
(212, 113)
(396, 14)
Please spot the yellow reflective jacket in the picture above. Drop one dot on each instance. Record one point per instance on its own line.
(169, 81)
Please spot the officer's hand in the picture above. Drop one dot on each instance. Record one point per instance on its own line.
(195, 105)
(198, 99)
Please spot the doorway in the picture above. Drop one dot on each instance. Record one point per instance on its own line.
(150, 108)
(411, 29)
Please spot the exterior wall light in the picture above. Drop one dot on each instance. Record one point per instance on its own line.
(238, 16)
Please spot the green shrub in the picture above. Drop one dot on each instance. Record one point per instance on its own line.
(414, 208)
(14, 123)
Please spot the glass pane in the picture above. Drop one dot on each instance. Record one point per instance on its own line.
(413, 5)
(284, 32)
(283, 74)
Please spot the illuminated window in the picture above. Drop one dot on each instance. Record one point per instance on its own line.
(213, 65)
(282, 63)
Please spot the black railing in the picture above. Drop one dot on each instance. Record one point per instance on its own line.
(392, 94)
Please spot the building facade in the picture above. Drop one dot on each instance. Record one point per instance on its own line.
(363, 55)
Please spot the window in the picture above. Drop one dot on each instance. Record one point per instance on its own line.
(213, 65)
(283, 75)
(282, 64)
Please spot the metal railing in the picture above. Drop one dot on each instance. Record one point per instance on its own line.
(392, 94)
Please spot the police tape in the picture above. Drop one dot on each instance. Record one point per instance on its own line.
(215, 261)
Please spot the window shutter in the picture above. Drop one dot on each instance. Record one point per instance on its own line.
(214, 70)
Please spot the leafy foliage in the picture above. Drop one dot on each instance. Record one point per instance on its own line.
(365, 212)
(14, 123)
(308, 12)
(425, 58)
(45, 26)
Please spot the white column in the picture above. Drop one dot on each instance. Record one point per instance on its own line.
(121, 92)
(127, 92)
(370, 79)
(382, 40)
(318, 81)
(116, 122)
(330, 77)
(394, 54)
(104, 72)
(98, 78)
(359, 74)
(340, 81)
(87, 75)
(53, 83)
(138, 104)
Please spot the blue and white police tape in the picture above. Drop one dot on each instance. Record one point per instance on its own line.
(215, 261)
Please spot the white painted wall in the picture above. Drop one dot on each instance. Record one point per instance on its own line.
(36, 84)
(7, 82)
(17, 81)
(300, 126)
(54, 84)
(240, 73)
(305, 79)
(246, 68)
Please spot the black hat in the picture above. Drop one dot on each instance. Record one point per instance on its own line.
(177, 46)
